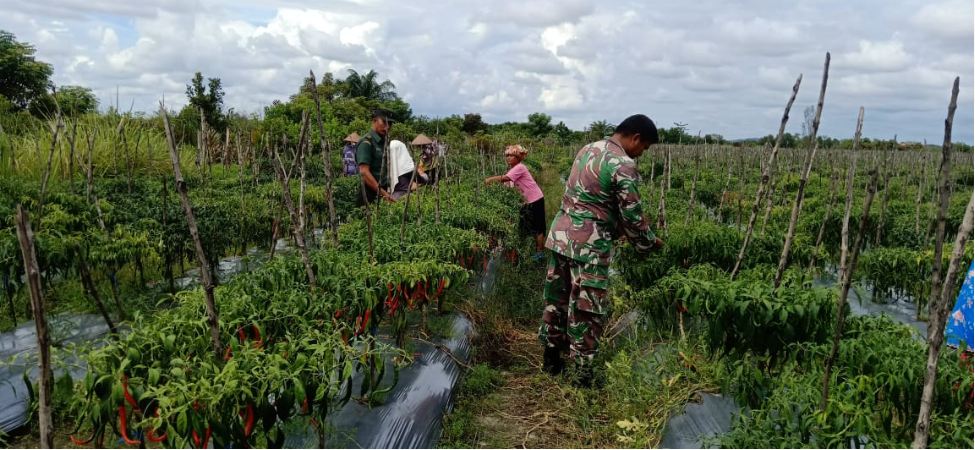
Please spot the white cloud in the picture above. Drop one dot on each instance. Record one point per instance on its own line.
(761, 36)
(877, 57)
(947, 19)
(722, 67)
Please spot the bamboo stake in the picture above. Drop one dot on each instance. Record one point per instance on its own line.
(766, 175)
(33, 274)
(184, 199)
(797, 205)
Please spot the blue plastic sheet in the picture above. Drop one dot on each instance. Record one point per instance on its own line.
(961, 323)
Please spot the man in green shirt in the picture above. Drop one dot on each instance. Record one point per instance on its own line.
(601, 204)
(370, 157)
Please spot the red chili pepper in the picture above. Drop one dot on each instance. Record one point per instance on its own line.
(206, 439)
(79, 442)
(440, 286)
(241, 337)
(681, 308)
(365, 321)
(304, 406)
(127, 395)
(249, 420)
(259, 343)
(122, 421)
(196, 438)
(226, 354)
(338, 313)
(484, 263)
(151, 436)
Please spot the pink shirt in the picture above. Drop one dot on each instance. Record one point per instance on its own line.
(522, 179)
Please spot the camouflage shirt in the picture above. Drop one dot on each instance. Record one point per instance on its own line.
(601, 203)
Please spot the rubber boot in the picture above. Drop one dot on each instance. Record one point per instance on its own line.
(552, 361)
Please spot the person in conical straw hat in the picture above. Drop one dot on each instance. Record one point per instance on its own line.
(348, 154)
(429, 161)
(427, 153)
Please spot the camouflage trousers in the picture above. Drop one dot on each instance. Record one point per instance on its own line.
(575, 296)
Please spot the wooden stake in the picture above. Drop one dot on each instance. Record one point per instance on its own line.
(847, 263)
(333, 223)
(766, 175)
(936, 326)
(33, 274)
(943, 198)
(184, 199)
(811, 156)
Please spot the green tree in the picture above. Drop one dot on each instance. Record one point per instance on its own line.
(208, 98)
(368, 86)
(599, 129)
(563, 133)
(473, 123)
(73, 101)
(22, 78)
(539, 124)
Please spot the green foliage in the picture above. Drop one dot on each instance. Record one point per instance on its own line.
(743, 315)
(24, 78)
(73, 101)
(870, 370)
(539, 124)
(368, 86)
(473, 123)
(482, 379)
(208, 99)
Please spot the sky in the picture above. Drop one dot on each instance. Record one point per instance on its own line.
(718, 66)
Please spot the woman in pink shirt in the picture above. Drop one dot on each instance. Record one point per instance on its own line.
(533, 211)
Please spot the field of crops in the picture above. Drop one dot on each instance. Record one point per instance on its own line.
(765, 249)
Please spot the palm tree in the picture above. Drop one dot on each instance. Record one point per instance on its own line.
(366, 86)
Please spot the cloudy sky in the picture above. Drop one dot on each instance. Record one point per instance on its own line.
(723, 67)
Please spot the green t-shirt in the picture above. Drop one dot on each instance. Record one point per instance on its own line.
(370, 151)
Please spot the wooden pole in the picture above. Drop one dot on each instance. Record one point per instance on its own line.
(284, 178)
(943, 198)
(883, 199)
(811, 156)
(766, 175)
(936, 326)
(826, 216)
(184, 199)
(333, 223)
(847, 263)
(33, 274)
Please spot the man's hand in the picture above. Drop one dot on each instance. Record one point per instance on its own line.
(385, 195)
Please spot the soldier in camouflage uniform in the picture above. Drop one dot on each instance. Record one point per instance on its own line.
(601, 203)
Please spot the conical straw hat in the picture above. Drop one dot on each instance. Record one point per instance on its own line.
(354, 137)
(421, 139)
